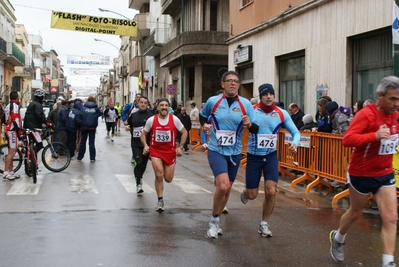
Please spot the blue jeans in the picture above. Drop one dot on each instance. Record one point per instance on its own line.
(92, 148)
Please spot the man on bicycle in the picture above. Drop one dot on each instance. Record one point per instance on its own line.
(13, 131)
(35, 118)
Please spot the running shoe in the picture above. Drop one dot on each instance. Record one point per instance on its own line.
(264, 229)
(17, 176)
(159, 206)
(391, 264)
(139, 189)
(337, 249)
(10, 177)
(214, 230)
(225, 210)
(244, 198)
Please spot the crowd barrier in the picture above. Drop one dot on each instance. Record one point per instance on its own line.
(319, 156)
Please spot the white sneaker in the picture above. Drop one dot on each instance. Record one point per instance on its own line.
(17, 176)
(139, 189)
(214, 230)
(112, 139)
(264, 229)
(10, 177)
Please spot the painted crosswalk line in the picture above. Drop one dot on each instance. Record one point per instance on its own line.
(25, 186)
(82, 183)
(189, 187)
(129, 183)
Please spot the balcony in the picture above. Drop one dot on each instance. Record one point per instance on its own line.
(26, 71)
(36, 40)
(143, 30)
(14, 55)
(135, 66)
(3, 48)
(44, 71)
(169, 7)
(152, 45)
(37, 84)
(137, 4)
(195, 43)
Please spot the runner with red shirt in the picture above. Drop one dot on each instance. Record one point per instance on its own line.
(374, 135)
(163, 129)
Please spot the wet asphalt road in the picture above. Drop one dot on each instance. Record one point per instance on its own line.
(90, 215)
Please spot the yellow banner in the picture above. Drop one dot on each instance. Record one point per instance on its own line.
(86, 23)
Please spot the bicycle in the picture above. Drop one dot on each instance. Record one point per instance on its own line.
(55, 155)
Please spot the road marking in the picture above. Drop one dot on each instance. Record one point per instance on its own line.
(25, 186)
(129, 183)
(82, 184)
(189, 187)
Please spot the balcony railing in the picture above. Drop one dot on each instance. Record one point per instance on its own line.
(137, 4)
(14, 55)
(3, 46)
(170, 6)
(153, 44)
(197, 43)
(142, 26)
(135, 66)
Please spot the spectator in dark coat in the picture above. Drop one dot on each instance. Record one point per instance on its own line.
(323, 120)
(89, 120)
(296, 115)
(186, 121)
(177, 111)
(72, 126)
(308, 123)
(52, 118)
(62, 116)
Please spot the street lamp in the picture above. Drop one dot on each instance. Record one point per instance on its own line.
(123, 63)
(140, 40)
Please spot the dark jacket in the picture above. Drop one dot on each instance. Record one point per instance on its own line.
(34, 116)
(185, 120)
(324, 124)
(52, 117)
(297, 119)
(89, 115)
(62, 117)
(309, 126)
(73, 120)
(138, 119)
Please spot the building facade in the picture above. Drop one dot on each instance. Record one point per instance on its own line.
(307, 49)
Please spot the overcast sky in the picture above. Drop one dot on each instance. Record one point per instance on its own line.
(36, 16)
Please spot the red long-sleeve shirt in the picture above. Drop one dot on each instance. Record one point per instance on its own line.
(361, 135)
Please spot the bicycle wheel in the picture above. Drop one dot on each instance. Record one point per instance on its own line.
(33, 164)
(56, 157)
(17, 160)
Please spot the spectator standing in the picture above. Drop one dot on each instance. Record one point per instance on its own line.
(89, 119)
(173, 103)
(373, 134)
(323, 120)
(136, 123)
(296, 115)
(52, 118)
(262, 153)
(357, 107)
(72, 126)
(340, 119)
(186, 121)
(110, 114)
(62, 117)
(162, 147)
(177, 111)
(223, 117)
(12, 132)
(194, 113)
